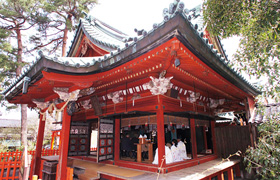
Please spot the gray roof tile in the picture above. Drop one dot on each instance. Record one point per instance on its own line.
(102, 34)
(73, 61)
(113, 40)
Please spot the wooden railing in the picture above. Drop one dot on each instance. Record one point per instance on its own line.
(10, 163)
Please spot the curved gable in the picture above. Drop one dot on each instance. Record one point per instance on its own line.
(95, 38)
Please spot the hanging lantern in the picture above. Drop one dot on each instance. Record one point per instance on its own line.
(26, 81)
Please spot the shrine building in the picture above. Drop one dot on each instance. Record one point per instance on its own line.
(163, 84)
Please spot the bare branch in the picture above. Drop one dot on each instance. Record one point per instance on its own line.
(29, 27)
(60, 14)
(57, 28)
(43, 45)
(56, 46)
(48, 35)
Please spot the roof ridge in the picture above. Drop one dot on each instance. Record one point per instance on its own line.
(104, 27)
(178, 11)
(110, 27)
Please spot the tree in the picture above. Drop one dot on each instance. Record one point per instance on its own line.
(15, 17)
(7, 64)
(265, 157)
(257, 23)
(62, 17)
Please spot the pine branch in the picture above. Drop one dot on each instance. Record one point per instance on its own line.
(44, 45)
(5, 19)
(58, 28)
(49, 35)
(56, 46)
(29, 27)
(60, 14)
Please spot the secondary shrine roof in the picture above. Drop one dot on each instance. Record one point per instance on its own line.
(99, 33)
(177, 24)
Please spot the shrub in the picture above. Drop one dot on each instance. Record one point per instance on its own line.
(265, 157)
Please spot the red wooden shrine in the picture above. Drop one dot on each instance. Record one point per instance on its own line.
(170, 81)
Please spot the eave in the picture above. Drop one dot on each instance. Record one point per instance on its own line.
(177, 26)
(205, 52)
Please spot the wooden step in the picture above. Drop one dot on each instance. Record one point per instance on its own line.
(87, 176)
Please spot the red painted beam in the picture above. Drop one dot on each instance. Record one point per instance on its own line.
(68, 78)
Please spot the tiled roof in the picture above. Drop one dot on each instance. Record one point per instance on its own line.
(196, 17)
(100, 33)
(76, 61)
(111, 38)
(103, 35)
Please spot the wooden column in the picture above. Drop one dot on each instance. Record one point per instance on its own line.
(221, 176)
(230, 174)
(160, 133)
(193, 138)
(213, 137)
(39, 143)
(117, 139)
(63, 153)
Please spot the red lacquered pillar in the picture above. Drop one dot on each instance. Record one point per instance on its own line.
(63, 153)
(117, 139)
(193, 138)
(39, 144)
(160, 134)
